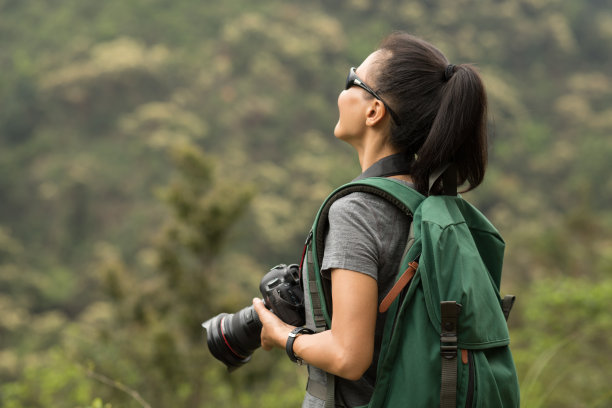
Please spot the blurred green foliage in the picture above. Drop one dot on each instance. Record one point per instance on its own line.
(156, 158)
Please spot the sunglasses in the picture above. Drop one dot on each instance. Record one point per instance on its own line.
(352, 79)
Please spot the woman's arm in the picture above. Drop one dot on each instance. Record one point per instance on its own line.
(347, 349)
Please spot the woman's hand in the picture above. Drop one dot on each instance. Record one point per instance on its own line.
(274, 332)
(347, 349)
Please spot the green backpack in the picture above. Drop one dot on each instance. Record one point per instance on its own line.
(445, 338)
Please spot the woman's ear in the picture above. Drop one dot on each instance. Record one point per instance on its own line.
(375, 113)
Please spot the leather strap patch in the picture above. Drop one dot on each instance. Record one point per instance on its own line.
(401, 283)
(464, 356)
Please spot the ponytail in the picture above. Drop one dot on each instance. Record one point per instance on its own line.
(442, 108)
(458, 133)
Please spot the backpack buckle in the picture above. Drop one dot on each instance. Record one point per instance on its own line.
(449, 314)
(448, 346)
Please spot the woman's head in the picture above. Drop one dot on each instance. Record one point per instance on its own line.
(441, 108)
(360, 106)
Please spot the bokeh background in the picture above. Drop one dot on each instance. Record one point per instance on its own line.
(158, 157)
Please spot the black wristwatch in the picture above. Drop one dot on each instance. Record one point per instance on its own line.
(289, 346)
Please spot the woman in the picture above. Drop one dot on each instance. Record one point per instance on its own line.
(404, 100)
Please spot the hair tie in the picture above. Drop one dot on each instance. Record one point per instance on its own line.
(449, 71)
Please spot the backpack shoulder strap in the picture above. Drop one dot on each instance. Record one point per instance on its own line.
(399, 194)
(404, 197)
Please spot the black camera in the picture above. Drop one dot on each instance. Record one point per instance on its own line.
(232, 338)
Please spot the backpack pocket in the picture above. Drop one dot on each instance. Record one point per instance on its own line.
(466, 381)
(495, 383)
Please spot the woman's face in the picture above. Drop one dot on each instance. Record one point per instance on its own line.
(353, 104)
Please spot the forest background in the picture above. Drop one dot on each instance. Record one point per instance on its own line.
(158, 157)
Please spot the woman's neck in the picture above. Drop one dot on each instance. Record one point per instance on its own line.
(370, 154)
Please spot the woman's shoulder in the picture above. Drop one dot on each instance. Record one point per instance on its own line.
(359, 205)
(357, 201)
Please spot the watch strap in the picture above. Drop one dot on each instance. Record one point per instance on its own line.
(289, 345)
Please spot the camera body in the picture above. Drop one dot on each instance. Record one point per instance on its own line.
(282, 293)
(232, 338)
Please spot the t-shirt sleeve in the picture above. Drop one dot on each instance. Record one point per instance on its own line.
(353, 241)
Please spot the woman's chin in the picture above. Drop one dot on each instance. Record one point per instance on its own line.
(339, 134)
(337, 131)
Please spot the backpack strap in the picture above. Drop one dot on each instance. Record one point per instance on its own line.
(449, 313)
(402, 196)
(448, 174)
(324, 391)
(506, 304)
(405, 198)
(330, 400)
(315, 296)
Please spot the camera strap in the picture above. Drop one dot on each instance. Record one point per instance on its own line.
(393, 165)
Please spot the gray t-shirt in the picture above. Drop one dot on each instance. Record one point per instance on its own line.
(367, 234)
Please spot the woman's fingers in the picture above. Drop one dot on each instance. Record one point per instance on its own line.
(274, 331)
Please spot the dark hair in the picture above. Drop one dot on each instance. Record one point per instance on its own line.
(442, 110)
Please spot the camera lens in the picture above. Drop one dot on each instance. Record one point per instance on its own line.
(232, 338)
